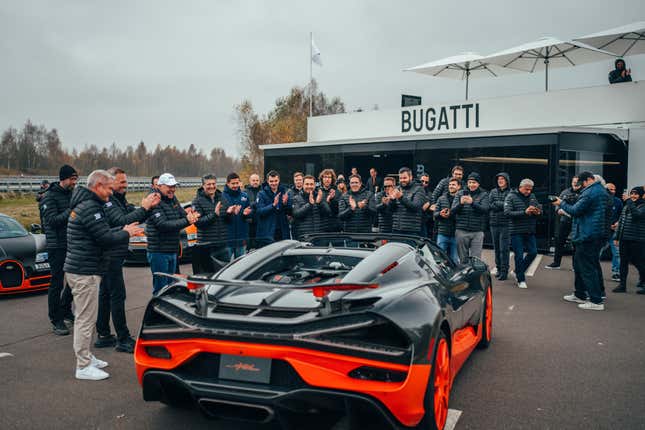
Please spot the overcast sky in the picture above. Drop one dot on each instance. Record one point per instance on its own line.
(170, 72)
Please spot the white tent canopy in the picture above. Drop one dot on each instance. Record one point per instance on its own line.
(545, 53)
(461, 66)
(624, 40)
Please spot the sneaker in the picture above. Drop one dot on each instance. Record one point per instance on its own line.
(105, 341)
(615, 277)
(494, 271)
(522, 285)
(574, 299)
(91, 373)
(99, 364)
(125, 345)
(590, 306)
(619, 289)
(552, 266)
(69, 317)
(60, 329)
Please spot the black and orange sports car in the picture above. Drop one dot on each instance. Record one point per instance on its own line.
(23, 259)
(369, 329)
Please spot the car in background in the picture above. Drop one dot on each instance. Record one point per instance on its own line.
(139, 244)
(24, 263)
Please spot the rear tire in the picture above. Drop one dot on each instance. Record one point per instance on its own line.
(487, 320)
(438, 389)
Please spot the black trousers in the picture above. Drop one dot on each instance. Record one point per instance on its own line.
(59, 296)
(112, 301)
(632, 252)
(204, 258)
(588, 277)
(562, 233)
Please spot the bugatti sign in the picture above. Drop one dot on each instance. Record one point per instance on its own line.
(453, 117)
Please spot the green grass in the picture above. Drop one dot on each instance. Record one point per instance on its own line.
(24, 208)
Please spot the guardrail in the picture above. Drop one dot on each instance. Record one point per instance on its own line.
(31, 184)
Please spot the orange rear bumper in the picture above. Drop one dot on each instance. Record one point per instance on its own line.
(318, 369)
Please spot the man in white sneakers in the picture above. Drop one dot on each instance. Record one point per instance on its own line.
(89, 236)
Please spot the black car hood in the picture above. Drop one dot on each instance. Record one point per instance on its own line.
(22, 248)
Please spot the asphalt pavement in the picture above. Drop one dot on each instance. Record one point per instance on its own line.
(550, 366)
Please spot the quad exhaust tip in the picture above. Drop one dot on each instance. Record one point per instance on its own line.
(236, 410)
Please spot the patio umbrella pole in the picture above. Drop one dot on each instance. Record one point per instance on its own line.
(467, 76)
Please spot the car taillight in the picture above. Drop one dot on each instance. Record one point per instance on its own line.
(377, 374)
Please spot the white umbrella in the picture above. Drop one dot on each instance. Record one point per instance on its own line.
(547, 52)
(460, 66)
(624, 40)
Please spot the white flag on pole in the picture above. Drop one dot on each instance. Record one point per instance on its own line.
(315, 53)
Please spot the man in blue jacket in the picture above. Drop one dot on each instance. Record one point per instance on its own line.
(588, 237)
(272, 205)
(237, 209)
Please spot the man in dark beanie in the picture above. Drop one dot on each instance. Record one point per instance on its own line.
(470, 208)
(630, 239)
(54, 213)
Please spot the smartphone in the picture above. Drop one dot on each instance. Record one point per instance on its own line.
(552, 198)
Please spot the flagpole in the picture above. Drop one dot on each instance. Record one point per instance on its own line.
(311, 72)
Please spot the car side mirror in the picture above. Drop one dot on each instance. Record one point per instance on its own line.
(463, 271)
(35, 228)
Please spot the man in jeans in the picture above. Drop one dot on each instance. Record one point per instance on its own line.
(237, 209)
(616, 209)
(499, 224)
(112, 290)
(89, 237)
(522, 208)
(588, 237)
(54, 212)
(470, 208)
(445, 221)
(163, 228)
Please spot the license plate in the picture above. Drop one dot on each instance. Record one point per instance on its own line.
(243, 368)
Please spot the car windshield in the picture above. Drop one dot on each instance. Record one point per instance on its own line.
(9, 227)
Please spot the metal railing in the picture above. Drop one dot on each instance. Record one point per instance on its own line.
(31, 184)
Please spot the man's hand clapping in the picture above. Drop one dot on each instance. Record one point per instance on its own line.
(150, 201)
(192, 217)
(276, 200)
(444, 213)
(331, 195)
(362, 204)
(352, 203)
(285, 198)
(319, 197)
(133, 229)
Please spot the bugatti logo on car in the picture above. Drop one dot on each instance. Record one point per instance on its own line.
(243, 366)
(9, 267)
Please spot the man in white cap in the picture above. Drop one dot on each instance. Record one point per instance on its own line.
(163, 228)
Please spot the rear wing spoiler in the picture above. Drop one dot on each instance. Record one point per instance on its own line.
(363, 240)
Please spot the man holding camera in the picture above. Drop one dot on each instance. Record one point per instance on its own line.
(563, 228)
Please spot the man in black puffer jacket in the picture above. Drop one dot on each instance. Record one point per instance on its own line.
(309, 209)
(356, 207)
(523, 208)
(54, 213)
(445, 221)
(564, 222)
(163, 229)
(470, 208)
(112, 290)
(384, 207)
(331, 195)
(457, 172)
(630, 238)
(211, 229)
(89, 238)
(499, 225)
(407, 201)
(252, 189)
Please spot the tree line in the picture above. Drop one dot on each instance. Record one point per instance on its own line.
(35, 150)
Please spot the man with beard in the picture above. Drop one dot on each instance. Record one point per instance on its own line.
(620, 73)
(522, 208)
(427, 210)
(54, 212)
(499, 224)
(237, 207)
(563, 229)
(119, 213)
(470, 208)
(329, 222)
(252, 189)
(407, 201)
(384, 206)
(163, 229)
(588, 237)
(457, 172)
(630, 238)
(89, 237)
(211, 230)
(273, 204)
(356, 207)
(309, 209)
(445, 221)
